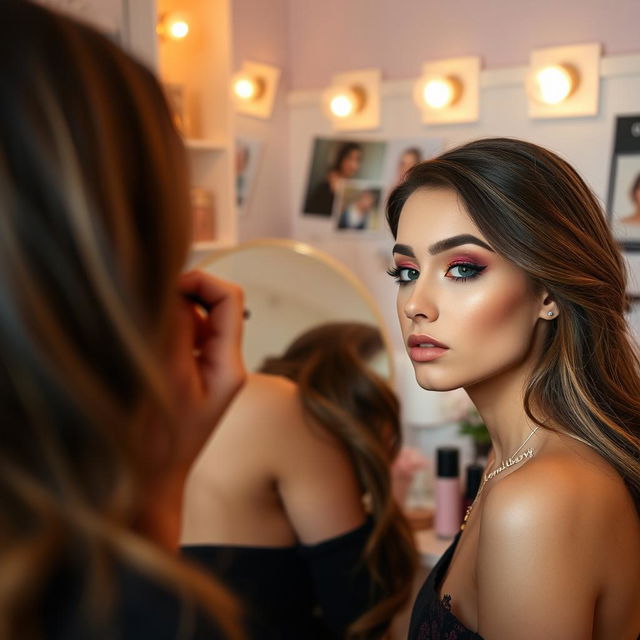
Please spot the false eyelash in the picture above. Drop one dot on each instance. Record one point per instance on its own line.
(394, 272)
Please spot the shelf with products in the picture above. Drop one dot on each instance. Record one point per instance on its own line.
(196, 72)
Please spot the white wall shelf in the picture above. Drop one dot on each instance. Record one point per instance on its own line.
(201, 64)
(194, 144)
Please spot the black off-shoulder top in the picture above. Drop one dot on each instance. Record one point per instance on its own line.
(432, 618)
(295, 593)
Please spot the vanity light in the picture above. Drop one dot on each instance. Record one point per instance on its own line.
(352, 102)
(248, 87)
(174, 26)
(442, 92)
(555, 83)
(254, 88)
(344, 102)
(564, 81)
(448, 90)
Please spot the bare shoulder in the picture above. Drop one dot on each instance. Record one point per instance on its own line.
(264, 401)
(564, 480)
(268, 389)
(545, 531)
(270, 407)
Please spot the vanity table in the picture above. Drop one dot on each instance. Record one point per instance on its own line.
(430, 547)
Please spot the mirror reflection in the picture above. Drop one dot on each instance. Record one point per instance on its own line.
(290, 287)
(290, 503)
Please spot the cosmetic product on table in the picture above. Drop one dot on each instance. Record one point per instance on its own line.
(448, 492)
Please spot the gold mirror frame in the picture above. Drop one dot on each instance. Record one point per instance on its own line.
(306, 250)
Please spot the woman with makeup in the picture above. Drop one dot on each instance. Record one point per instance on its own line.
(111, 380)
(345, 166)
(291, 504)
(511, 286)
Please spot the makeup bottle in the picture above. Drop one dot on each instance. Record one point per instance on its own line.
(448, 493)
(474, 478)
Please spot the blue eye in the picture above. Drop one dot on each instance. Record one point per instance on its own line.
(403, 275)
(464, 270)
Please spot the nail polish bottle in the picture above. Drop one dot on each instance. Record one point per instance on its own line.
(448, 493)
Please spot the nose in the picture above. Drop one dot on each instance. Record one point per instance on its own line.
(420, 305)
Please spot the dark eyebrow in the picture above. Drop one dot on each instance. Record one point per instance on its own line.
(404, 249)
(443, 245)
(456, 241)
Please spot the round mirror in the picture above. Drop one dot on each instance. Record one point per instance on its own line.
(289, 288)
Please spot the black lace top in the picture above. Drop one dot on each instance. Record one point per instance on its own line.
(432, 618)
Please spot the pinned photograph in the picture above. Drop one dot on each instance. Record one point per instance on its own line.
(624, 185)
(358, 206)
(247, 159)
(335, 161)
(403, 154)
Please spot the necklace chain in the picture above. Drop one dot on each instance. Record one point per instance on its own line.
(505, 464)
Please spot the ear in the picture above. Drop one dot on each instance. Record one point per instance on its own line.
(548, 307)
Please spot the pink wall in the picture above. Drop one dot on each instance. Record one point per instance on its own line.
(260, 34)
(260, 31)
(397, 36)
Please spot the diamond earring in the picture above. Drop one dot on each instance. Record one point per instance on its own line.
(549, 313)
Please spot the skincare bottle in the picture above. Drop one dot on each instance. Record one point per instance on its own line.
(448, 493)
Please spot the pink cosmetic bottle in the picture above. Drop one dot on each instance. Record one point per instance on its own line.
(448, 493)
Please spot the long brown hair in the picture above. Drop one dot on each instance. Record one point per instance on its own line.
(93, 233)
(343, 394)
(537, 212)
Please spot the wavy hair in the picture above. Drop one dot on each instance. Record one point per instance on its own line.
(538, 213)
(343, 394)
(93, 233)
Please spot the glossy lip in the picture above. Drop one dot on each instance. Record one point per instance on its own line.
(417, 339)
(425, 354)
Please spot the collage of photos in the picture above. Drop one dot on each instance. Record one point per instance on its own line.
(624, 184)
(623, 206)
(349, 181)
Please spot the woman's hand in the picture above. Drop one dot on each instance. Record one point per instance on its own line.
(208, 365)
(205, 372)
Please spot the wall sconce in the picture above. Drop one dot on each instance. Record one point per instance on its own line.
(254, 89)
(173, 26)
(564, 81)
(352, 102)
(448, 90)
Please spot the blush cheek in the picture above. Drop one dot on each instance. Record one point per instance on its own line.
(499, 324)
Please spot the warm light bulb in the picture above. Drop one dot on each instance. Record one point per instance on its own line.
(342, 105)
(244, 89)
(438, 93)
(178, 29)
(554, 84)
(344, 102)
(174, 26)
(247, 88)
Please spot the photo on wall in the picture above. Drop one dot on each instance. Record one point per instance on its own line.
(357, 206)
(334, 161)
(623, 202)
(247, 158)
(404, 154)
(633, 317)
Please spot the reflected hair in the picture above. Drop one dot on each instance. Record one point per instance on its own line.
(343, 152)
(93, 232)
(344, 395)
(536, 211)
